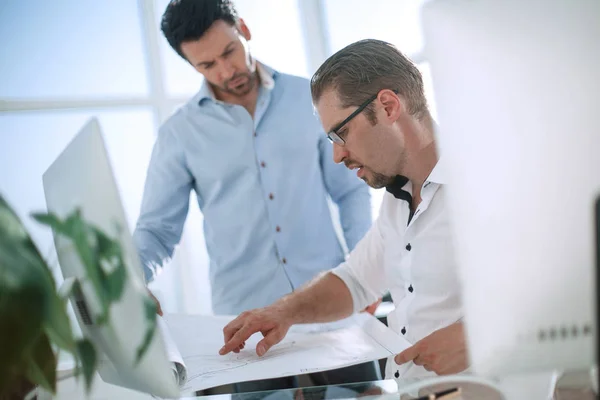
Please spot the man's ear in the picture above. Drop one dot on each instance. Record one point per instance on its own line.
(243, 29)
(393, 104)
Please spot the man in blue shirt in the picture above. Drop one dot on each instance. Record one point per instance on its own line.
(252, 149)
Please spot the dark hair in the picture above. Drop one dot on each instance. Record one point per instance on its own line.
(361, 69)
(188, 20)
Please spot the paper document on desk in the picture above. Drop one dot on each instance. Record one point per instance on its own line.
(178, 368)
(305, 349)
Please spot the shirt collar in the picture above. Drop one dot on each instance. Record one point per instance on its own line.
(399, 187)
(267, 80)
(437, 174)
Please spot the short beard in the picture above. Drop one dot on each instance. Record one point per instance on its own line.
(378, 180)
(247, 88)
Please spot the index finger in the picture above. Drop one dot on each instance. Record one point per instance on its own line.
(231, 328)
(407, 355)
(238, 338)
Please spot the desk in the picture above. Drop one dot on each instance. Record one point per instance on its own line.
(576, 386)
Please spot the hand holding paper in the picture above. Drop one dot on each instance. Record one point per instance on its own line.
(443, 352)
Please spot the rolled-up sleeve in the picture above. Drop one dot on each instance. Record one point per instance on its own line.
(164, 205)
(363, 272)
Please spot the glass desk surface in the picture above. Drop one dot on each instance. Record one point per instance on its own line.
(383, 389)
(344, 391)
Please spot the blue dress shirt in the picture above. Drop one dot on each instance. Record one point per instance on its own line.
(262, 186)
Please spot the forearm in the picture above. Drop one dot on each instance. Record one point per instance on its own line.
(324, 299)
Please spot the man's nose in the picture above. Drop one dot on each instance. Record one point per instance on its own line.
(339, 153)
(227, 70)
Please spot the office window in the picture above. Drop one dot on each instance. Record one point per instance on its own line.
(71, 49)
(395, 21)
(180, 78)
(30, 142)
(276, 33)
(276, 40)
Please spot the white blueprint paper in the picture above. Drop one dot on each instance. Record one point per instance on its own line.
(305, 349)
(173, 354)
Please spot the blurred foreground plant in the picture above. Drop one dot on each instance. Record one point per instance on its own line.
(34, 324)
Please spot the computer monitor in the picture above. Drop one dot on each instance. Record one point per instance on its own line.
(81, 177)
(594, 372)
(517, 89)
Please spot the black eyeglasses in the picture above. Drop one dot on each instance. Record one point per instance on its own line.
(333, 133)
(333, 136)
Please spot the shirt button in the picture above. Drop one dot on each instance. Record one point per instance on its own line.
(283, 260)
(255, 135)
(262, 164)
(271, 197)
(403, 331)
(278, 229)
(410, 289)
(408, 247)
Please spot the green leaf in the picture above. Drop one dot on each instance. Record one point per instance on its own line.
(16, 341)
(26, 271)
(50, 220)
(115, 282)
(150, 312)
(57, 324)
(110, 260)
(41, 365)
(106, 246)
(86, 245)
(23, 292)
(81, 236)
(26, 285)
(87, 356)
(149, 309)
(9, 221)
(16, 242)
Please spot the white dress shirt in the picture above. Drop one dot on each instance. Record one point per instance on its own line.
(413, 259)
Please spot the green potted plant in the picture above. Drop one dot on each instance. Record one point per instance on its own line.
(34, 325)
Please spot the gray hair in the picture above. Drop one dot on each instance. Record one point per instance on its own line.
(361, 69)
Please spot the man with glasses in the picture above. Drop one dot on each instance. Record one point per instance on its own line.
(371, 101)
(251, 148)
